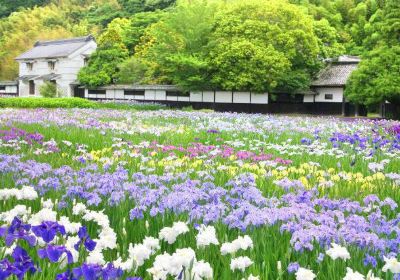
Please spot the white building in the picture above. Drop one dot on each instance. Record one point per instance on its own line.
(330, 84)
(8, 88)
(53, 61)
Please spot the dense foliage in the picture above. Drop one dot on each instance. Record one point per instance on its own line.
(378, 77)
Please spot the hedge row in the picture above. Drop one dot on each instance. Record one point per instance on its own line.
(29, 102)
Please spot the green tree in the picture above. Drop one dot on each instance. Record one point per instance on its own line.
(377, 79)
(7, 6)
(276, 33)
(102, 68)
(174, 50)
(137, 6)
(139, 22)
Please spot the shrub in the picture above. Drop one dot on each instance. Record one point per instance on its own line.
(29, 102)
(49, 90)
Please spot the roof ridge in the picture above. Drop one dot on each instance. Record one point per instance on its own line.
(64, 41)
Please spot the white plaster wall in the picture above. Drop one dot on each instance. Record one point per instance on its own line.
(208, 96)
(172, 98)
(196, 96)
(308, 98)
(119, 94)
(241, 97)
(223, 97)
(160, 95)
(149, 94)
(139, 97)
(184, 98)
(337, 93)
(10, 89)
(259, 98)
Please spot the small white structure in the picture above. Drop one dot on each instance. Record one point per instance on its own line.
(54, 61)
(330, 84)
(8, 88)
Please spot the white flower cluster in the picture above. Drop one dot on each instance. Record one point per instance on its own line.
(206, 236)
(184, 262)
(138, 254)
(170, 234)
(338, 252)
(25, 193)
(107, 236)
(242, 243)
(353, 275)
(305, 274)
(241, 263)
(18, 211)
(392, 265)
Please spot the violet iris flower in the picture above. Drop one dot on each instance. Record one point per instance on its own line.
(67, 275)
(53, 253)
(85, 239)
(48, 230)
(17, 230)
(22, 263)
(95, 272)
(6, 269)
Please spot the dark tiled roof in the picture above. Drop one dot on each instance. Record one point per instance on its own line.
(55, 49)
(336, 73)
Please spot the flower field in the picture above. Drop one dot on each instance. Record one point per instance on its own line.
(115, 194)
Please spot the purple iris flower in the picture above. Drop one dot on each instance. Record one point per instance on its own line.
(53, 253)
(6, 269)
(370, 260)
(95, 272)
(293, 267)
(17, 230)
(48, 230)
(85, 239)
(306, 141)
(67, 275)
(22, 263)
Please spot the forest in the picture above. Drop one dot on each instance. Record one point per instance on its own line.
(257, 45)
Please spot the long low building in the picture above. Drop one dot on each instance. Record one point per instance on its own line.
(169, 93)
(8, 88)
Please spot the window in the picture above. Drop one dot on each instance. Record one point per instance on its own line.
(52, 65)
(53, 82)
(2, 88)
(176, 93)
(85, 61)
(29, 65)
(133, 92)
(97, 91)
(328, 96)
